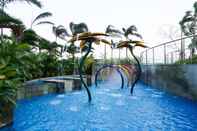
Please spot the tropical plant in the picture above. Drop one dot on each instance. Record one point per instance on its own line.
(10, 22)
(60, 32)
(30, 37)
(40, 17)
(78, 28)
(4, 3)
(8, 83)
(88, 64)
(68, 66)
(17, 56)
(188, 26)
(11, 73)
(192, 60)
(6, 21)
(72, 49)
(29, 65)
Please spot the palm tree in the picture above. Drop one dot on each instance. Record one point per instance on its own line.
(188, 26)
(88, 64)
(31, 37)
(72, 49)
(4, 3)
(60, 32)
(6, 21)
(111, 30)
(41, 16)
(78, 28)
(132, 30)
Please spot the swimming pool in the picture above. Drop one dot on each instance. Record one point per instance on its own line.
(112, 109)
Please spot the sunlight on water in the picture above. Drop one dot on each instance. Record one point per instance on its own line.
(61, 96)
(100, 92)
(106, 90)
(76, 93)
(55, 102)
(105, 108)
(120, 103)
(133, 97)
(115, 95)
(155, 95)
(74, 108)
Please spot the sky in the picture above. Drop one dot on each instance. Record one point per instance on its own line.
(152, 17)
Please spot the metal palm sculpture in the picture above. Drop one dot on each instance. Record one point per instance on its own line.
(130, 44)
(80, 33)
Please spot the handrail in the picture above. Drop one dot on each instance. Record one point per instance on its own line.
(169, 42)
(147, 59)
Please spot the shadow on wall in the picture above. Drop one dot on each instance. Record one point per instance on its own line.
(177, 79)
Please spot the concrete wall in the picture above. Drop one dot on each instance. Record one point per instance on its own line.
(35, 88)
(178, 79)
(38, 87)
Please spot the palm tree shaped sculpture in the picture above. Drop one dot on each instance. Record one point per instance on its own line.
(130, 44)
(80, 33)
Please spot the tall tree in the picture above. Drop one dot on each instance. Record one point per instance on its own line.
(60, 32)
(111, 30)
(188, 26)
(4, 3)
(6, 21)
(41, 16)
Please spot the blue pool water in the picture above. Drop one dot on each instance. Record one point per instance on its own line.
(112, 109)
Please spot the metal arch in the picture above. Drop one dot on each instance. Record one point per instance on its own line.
(111, 66)
(128, 73)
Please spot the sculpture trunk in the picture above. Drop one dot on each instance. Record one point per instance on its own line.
(80, 71)
(139, 71)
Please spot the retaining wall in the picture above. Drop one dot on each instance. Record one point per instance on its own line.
(178, 79)
(38, 87)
